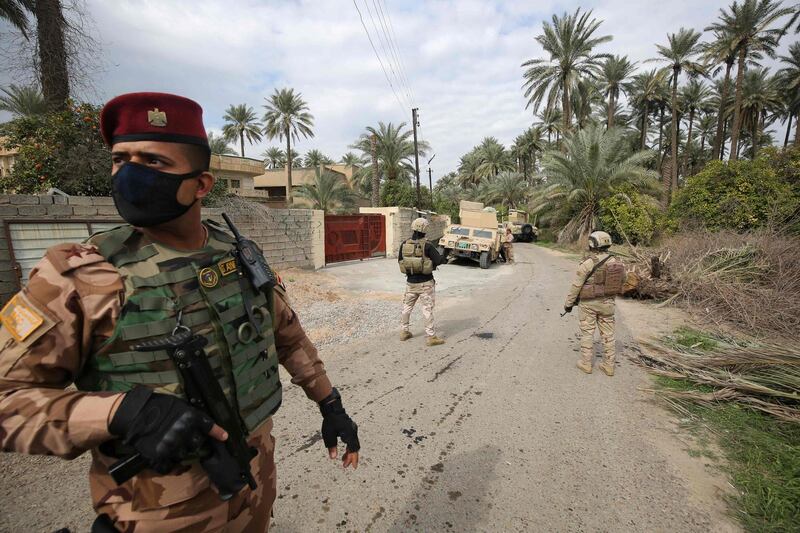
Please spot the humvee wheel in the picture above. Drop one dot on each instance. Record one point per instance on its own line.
(485, 262)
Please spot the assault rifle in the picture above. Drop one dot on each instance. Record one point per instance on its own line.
(203, 392)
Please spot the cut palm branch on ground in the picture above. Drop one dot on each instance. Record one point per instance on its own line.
(748, 281)
(764, 377)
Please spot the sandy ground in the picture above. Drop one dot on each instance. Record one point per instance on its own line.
(494, 431)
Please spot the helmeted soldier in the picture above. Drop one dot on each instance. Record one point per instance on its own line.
(89, 308)
(418, 259)
(598, 280)
(508, 246)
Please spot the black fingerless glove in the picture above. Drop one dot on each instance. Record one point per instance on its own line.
(336, 424)
(164, 429)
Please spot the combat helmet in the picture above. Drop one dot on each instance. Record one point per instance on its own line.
(420, 225)
(599, 240)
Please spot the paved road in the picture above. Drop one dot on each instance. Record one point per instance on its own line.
(494, 431)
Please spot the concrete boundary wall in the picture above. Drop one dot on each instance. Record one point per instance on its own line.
(398, 226)
(289, 238)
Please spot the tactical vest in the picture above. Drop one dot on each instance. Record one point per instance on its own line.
(201, 287)
(415, 261)
(607, 280)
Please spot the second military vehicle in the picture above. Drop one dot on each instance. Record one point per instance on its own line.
(476, 237)
(520, 228)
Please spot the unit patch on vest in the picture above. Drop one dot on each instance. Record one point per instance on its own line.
(20, 318)
(227, 267)
(208, 278)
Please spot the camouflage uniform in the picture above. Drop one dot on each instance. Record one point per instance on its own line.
(508, 248)
(64, 317)
(594, 314)
(426, 292)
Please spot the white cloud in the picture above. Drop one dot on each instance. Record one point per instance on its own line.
(462, 58)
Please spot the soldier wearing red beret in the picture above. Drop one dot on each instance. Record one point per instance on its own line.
(88, 310)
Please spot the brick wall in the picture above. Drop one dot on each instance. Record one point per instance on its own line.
(288, 237)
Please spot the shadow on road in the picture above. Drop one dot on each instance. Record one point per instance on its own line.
(453, 494)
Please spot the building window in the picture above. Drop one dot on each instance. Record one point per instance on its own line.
(236, 184)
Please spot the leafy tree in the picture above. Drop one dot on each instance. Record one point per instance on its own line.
(594, 166)
(352, 160)
(493, 158)
(315, 158)
(219, 145)
(681, 54)
(615, 71)
(240, 122)
(760, 97)
(570, 42)
(60, 149)
(287, 117)
(22, 101)
(628, 215)
(509, 189)
(395, 153)
(274, 157)
(750, 26)
(398, 193)
(218, 194)
(328, 192)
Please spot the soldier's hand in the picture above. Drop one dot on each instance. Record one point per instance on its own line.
(336, 424)
(164, 429)
(568, 308)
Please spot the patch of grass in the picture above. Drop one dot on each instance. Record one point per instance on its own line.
(694, 339)
(763, 459)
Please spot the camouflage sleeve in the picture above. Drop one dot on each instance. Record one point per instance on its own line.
(71, 302)
(577, 283)
(297, 354)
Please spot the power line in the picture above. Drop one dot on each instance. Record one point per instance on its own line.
(392, 49)
(403, 68)
(360, 16)
(383, 41)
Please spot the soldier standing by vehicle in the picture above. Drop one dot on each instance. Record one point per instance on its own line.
(133, 313)
(418, 259)
(508, 247)
(598, 280)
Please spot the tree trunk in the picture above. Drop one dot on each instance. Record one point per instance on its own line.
(644, 124)
(288, 168)
(661, 128)
(788, 129)
(737, 106)
(674, 149)
(754, 140)
(567, 110)
(53, 73)
(687, 164)
(376, 179)
(610, 120)
(241, 141)
(719, 138)
(797, 134)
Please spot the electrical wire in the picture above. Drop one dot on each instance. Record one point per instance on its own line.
(393, 49)
(399, 56)
(384, 45)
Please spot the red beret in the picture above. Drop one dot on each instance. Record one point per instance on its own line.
(153, 117)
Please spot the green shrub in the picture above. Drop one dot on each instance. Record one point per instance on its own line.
(740, 195)
(63, 149)
(638, 219)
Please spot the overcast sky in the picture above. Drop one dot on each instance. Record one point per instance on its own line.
(462, 59)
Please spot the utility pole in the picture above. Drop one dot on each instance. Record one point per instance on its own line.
(416, 153)
(376, 180)
(430, 179)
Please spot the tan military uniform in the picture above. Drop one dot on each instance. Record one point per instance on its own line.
(66, 312)
(508, 248)
(594, 314)
(425, 292)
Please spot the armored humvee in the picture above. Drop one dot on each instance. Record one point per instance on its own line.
(520, 228)
(477, 236)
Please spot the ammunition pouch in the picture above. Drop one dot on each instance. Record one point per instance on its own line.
(606, 280)
(415, 261)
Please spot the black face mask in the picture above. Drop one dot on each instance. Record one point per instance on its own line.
(147, 197)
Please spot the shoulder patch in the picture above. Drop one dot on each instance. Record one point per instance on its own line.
(220, 232)
(67, 257)
(22, 318)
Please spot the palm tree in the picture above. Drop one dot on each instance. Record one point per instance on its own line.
(721, 50)
(395, 151)
(616, 70)
(16, 12)
(22, 101)
(493, 158)
(585, 98)
(468, 168)
(352, 160)
(240, 122)
(760, 96)
(680, 53)
(287, 117)
(315, 158)
(643, 90)
(274, 157)
(595, 164)
(510, 189)
(570, 42)
(694, 96)
(219, 145)
(707, 127)
(327, 192)
(551, 123)
(749, 25)
(789, 77)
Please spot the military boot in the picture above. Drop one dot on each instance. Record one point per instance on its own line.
(434, 341)
(405, 335)
(607, 368)
(585, 366)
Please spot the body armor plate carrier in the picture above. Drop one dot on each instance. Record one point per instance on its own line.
(200, 289)
(415, 261)
(607, 280)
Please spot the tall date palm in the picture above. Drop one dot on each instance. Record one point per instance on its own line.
(287, 118)
(616, 70)
(240, 122)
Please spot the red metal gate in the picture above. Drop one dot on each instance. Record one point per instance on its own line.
(349, 237)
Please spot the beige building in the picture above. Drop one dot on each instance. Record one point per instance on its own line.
(239, 173)
(273, 181)
(7, 157)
